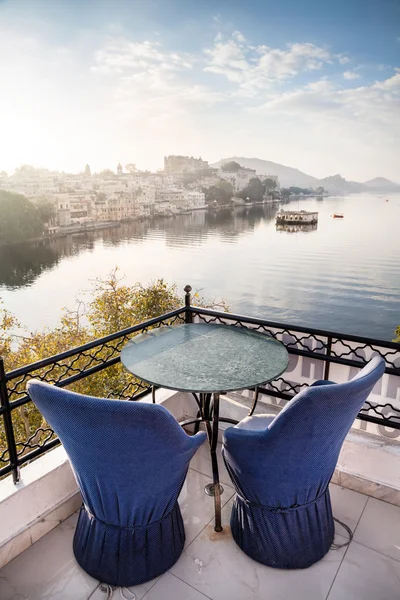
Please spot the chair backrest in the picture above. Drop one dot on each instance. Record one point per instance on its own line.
(294, 459)
(130, 458)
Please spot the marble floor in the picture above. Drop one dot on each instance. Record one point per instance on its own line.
(213, 567)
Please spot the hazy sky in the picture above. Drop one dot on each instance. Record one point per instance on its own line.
(311, 84)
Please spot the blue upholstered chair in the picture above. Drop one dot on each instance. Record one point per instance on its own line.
(281, 468)
(130, 460)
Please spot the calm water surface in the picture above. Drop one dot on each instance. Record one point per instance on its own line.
(343, 276)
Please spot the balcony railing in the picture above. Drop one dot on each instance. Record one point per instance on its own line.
(314, 354)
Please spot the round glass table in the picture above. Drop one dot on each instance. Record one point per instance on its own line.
(206, 360)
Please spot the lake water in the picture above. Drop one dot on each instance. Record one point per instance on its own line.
(343, 276)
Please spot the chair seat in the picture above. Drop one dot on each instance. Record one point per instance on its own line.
(256, 422)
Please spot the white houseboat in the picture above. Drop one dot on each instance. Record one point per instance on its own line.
(293, 216)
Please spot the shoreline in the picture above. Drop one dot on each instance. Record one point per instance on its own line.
(101, 225)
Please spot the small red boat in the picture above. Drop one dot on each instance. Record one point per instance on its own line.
(337, 216)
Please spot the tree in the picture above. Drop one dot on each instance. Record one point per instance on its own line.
(397, 333)
(285, 193)
(231, 166)
(113, 306)
(131, 168)
(45, 209)
(254, 191)
(225, 185)
(320, 190)
(270, 184)
(20, 219)
(221, 193)
(107, 174)
(298, 190)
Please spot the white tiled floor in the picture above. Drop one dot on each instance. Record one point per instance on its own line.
(212, 566)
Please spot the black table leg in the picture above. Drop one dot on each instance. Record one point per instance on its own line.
(255, 399)
(214, 489)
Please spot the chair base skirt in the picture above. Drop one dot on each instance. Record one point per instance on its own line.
(292, 539)
(128, 556)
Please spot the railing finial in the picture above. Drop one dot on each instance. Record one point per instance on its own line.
(188, 315)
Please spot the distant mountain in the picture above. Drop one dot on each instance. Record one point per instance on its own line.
(337, 183)
(288, 177)
(381, 184)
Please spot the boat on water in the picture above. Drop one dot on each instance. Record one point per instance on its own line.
(294, 216)
(337, 215)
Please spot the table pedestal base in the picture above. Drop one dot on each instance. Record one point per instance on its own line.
(210, 489)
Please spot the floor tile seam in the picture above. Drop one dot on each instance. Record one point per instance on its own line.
(190, 585)
(361, 515)
(54, 577)
(151, 587)
(375, 550)
(347, 548)
(337, 571)
(205, 526)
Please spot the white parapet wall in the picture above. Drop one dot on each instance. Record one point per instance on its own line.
(48, 492)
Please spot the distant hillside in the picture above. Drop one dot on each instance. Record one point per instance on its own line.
(337, 183)
(381, 184)
(287, 175)
(293, 177)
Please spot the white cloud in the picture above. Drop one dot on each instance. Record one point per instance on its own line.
(148, 83)
(122, 97)
(238, 36)
(366, 111)
(255, 68)
(351, 75)
(120, 55)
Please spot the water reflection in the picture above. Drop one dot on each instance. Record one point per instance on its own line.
(344, 277)
(296, 227)
(21, 264)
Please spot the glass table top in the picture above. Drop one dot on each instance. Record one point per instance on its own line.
(205, 357)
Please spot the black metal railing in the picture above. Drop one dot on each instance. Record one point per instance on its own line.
(73, 368)
(96, 366)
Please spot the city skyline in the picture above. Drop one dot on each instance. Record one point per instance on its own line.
(103, 83)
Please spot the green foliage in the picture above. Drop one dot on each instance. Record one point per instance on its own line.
(107, 174)
(270, 184)
(194, 176)
(254, 191)
(20, 219)
(112, 306)
(221, 193)
(397, 333)
(285, 193)
(231, 166)
(116, 306)
(298, 190)
(46, 210)
(7, 324)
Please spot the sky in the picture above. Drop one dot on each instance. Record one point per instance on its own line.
(313, 85)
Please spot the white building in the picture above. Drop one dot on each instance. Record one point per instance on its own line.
(238, 179)
(195, 199)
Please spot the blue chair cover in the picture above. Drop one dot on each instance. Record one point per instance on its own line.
(282, 514)
(130, 460)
